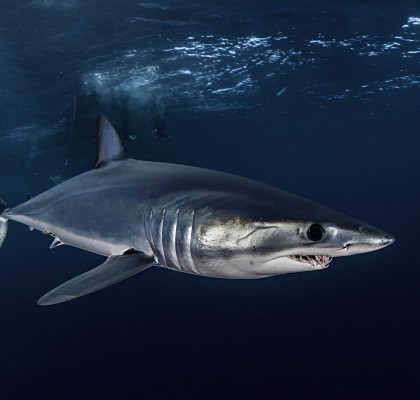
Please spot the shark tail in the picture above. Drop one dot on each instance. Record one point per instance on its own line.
(3, 222)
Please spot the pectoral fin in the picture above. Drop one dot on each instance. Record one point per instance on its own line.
(113, 270)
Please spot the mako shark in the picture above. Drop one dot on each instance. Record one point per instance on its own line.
(139, 214)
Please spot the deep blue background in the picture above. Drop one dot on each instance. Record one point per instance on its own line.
(344, 132)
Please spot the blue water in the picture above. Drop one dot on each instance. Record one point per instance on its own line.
(320, 98)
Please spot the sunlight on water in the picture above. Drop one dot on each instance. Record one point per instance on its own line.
(412, 21)
(198, 70)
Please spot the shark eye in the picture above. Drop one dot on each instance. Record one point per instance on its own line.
(315, 232)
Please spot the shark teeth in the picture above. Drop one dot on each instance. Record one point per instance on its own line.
(316, 260)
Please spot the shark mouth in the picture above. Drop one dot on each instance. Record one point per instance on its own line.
(315, 261)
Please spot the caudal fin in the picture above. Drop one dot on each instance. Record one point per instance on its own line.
(3, 222)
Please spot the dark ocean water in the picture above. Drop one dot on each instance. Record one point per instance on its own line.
(321, 98)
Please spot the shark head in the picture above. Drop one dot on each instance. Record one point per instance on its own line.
(288, 235)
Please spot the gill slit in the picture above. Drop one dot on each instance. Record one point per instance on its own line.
(175, 233)
(193, 267)
(160, 236)
(151, 238)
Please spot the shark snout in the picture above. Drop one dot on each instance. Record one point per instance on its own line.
(387, 240)
(376, 236)
(367, 239)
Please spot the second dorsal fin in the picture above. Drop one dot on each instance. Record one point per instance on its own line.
(110, 145)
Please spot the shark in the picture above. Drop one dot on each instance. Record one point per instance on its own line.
(140, 214)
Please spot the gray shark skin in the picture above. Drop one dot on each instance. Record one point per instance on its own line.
(139, 214)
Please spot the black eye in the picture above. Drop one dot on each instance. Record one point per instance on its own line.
(315, 232)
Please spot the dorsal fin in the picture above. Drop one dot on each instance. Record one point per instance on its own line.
(110, 146)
